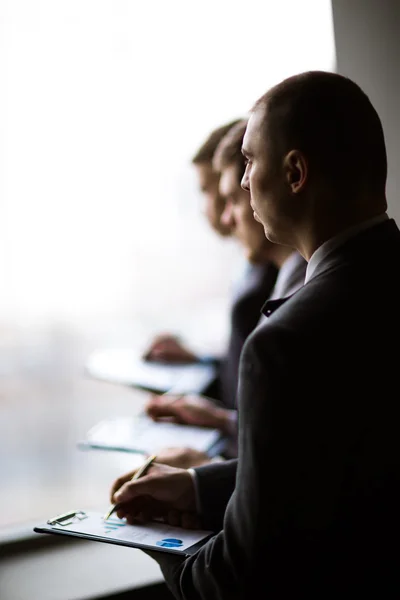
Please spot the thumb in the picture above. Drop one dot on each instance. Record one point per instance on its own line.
(160, 411)
(134, 489)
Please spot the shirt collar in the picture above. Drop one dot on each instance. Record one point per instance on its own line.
(327, 247)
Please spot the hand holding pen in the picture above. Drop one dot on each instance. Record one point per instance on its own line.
(141, 471)
(166, 492)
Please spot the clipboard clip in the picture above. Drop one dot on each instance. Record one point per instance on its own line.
(68, 518)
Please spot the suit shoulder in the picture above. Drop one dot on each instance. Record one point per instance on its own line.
(304, 316)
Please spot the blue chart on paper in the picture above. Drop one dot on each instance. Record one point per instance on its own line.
(170, 543)
(113, 524)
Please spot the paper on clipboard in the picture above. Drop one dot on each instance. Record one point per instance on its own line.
(123, 366)
(141, 434)
(152, 536)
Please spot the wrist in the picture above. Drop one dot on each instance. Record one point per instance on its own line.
(225, 420)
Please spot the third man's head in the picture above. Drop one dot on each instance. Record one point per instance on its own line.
(209, 178)
(238, 214)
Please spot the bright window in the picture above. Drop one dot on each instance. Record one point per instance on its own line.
(103, 103)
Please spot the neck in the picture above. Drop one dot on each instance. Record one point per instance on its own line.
(319, 231)
(278, 254)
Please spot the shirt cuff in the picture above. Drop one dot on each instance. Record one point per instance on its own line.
(196, 489)
(196, 482)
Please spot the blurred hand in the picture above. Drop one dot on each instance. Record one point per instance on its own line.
(167, 348)
(190, 409)
(183, 458)
(164, 492)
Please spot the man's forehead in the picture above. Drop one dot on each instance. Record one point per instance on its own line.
(228, 182)
(252, 133)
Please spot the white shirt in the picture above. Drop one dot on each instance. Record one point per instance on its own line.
(291, 270)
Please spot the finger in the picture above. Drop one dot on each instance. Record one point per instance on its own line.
(164, 348)
(142, 510)
(130, 511)
(131, 490)
(190, 521)
(161, 349)
(162, 415)
(154, 400)
(135, 519)
(159, 411)
(165, 399)
(150, 405)
(169, 354)
(173, 518)
(130, 519)
(165, 337)
(143, 517)
(167, 409)
(158, 356)
(118, 483)
(147, 355)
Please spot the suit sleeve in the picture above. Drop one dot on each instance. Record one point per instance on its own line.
(285, 489)
(215, 484)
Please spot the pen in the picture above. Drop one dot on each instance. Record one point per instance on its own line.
(141, 471)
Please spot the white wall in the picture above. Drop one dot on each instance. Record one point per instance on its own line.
(367, 38)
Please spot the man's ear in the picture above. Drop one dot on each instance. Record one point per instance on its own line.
(295, 170)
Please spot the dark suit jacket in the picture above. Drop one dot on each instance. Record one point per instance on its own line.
(261, 282)
(315, 508)
(248, 300)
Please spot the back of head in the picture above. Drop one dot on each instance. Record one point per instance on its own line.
(205, 153)
(331, 120)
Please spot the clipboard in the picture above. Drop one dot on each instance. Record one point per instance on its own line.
(144, 436)
(123, 366)
(155, 536)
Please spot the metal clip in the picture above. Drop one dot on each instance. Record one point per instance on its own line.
(68, 518)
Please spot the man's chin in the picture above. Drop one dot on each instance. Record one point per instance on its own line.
(222, 231)
(254, 257)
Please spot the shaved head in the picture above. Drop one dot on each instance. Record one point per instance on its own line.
(332, 121)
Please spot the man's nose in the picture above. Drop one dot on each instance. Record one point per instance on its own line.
(245, 182)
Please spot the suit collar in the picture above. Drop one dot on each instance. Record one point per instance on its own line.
(366, 245)
(329, 246)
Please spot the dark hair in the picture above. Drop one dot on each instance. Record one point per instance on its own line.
(229, 150)
(330, 119)
(205, 153)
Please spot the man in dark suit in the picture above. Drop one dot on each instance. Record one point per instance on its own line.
(311, 508)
